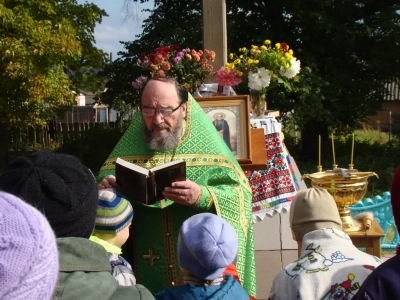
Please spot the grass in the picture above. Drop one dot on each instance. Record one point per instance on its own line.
(368, 135)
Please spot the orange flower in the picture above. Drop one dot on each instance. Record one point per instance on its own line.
(209, 55)
(161, 73)
(159, 58)
(165, 66)
(188, 66)
(196, 57)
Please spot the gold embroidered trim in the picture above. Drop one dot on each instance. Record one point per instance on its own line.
(169, 248)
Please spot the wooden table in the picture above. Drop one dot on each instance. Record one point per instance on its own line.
(369, 239)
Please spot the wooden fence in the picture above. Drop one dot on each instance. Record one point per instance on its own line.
(53, 134)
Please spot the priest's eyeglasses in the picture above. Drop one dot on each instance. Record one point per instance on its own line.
(165, 112)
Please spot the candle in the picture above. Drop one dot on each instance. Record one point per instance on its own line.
(319, 150)
(333, 150)
(352, 150)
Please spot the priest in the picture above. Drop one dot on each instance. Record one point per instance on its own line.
(171, 126)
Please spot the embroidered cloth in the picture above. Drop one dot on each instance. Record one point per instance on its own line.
(274, 187)
(329, 267)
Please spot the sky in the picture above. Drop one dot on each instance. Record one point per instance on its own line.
(116, 27)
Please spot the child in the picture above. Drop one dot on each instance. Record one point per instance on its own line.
(113, 220)
(65, 191)
(207, 245)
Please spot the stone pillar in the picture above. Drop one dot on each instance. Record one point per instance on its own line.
(214, 32)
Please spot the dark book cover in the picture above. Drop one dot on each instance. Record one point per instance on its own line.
(166, 176)
(146, 186)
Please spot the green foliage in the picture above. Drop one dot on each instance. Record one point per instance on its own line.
(348, 50)
(171, 22)
(43, 45)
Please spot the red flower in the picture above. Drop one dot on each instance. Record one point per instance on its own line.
(275, 184)
(286, 180)
(279, 161)
(272, 171)
(276, 142)
(284, 47)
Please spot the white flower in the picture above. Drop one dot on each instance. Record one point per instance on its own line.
(259, 80)
(294, 68)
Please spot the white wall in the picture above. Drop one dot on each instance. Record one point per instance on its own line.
(274, 249)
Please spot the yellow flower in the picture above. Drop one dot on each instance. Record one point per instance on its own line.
(275, 58)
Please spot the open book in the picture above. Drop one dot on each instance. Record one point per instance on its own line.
(146, 186)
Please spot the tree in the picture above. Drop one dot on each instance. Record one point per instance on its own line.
(348, 50)
(170, 22)
(47, 52)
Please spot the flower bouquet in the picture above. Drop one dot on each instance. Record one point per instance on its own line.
(189, 67)
(262, 68)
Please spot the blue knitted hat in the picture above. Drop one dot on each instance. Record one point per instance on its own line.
(207, 245)
(28, 252)
(114, 213)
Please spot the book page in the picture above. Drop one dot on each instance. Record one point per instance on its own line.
(131, 166)
(171, 163)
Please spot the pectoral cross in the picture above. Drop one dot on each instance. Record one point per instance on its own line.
(151, 257)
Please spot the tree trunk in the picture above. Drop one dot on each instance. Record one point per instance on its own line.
(4, 145)
(309, 141)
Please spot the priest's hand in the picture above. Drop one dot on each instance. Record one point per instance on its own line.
(183, 192)
(108, 182)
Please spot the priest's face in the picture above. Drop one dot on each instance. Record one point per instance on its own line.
(163, 115)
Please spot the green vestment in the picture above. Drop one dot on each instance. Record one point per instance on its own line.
(152, 247)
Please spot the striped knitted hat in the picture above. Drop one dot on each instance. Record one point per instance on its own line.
(114, 213)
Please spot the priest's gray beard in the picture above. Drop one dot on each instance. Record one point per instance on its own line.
(168, 140)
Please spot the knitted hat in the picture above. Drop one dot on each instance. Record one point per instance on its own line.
(313, 209)
(28, 252)
(114, 213)
(207, 244)
(59, 186)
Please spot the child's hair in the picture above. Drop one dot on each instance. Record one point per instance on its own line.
(207, 245)
(114, 213)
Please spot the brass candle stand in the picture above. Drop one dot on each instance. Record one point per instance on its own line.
(347, 186)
